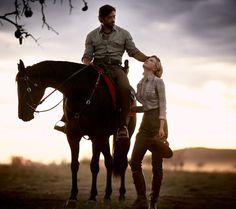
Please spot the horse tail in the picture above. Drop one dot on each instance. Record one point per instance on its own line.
(120, 160)
(121, 149)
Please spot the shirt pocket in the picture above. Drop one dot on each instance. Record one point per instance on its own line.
(118, 43)
(98, 44)
(150, 95)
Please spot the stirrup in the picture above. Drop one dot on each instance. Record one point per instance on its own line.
(122, 133)
(61, 128)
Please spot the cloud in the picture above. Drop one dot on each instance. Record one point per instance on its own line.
(213, 23)
(171, 28)
(198, 27)
(6, 6)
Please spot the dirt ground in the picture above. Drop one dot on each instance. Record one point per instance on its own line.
(38, 186)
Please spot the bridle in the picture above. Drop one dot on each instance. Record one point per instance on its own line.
(33, 105)
(28, 81)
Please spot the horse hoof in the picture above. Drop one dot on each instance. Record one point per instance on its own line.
(122, 198)
(91, 204)
(92, 200)
(71, 204)
(107, 200)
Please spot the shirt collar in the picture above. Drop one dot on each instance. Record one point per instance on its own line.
(113, 29)
(150, 77)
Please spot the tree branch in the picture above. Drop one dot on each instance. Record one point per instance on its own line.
(24, 8)
(44, 20)
(4, 17)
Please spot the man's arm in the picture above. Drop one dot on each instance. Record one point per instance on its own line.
(88, 52)
(140, 56)
(132, 50)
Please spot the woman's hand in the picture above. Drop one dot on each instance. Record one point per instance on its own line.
(161, 133)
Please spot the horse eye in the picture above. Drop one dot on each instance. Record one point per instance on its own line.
(29, 89)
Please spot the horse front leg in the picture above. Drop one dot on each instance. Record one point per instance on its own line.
(94, 167)
(108, 165)
(74, 147)
(122, 189)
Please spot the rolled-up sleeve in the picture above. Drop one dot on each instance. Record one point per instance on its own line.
(130, 45)
(162, 98)
(89, 49)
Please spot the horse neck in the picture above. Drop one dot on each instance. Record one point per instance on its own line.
(53, 73)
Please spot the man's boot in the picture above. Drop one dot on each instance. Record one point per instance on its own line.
(140, 186)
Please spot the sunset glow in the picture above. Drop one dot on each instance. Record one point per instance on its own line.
(199, 75)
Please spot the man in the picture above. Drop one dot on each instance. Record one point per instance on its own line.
(106, 45)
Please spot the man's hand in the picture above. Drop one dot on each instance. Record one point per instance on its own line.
(86, 61)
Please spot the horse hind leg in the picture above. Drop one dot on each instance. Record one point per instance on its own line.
(121, 149)
(120, 163)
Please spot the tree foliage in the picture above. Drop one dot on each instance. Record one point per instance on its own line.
(24, 8)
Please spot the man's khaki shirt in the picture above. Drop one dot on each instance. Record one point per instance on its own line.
(99, 45)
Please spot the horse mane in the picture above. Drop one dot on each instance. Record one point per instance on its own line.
(49, 67)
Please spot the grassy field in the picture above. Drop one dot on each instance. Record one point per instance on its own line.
(37, 186)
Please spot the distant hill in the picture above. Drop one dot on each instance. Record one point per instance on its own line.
(201, 159)
(207, 155)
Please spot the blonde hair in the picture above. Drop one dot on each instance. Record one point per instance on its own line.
(159, 70)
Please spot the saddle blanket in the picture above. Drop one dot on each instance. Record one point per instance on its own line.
(112, 89)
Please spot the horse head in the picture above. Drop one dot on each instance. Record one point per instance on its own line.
(29, 92)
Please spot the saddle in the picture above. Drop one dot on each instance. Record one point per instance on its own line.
(111, 86)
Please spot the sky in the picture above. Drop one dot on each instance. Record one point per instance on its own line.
(195, 40)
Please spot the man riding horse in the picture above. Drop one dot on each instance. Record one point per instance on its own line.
(105, 46)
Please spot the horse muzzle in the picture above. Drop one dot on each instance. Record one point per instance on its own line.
(26, 118)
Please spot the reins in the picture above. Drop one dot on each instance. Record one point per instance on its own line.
(60, 85)
(88, 102)
(56, 89)
(39, 111)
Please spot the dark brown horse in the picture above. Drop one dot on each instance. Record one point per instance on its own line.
(88, 109)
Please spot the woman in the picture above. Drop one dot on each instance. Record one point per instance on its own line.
(152, 133)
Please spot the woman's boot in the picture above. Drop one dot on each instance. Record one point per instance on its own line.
(140, 186)
(155, 190)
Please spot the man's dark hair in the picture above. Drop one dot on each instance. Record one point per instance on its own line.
(106, 10)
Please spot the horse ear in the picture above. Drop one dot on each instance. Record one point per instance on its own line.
(21, 66)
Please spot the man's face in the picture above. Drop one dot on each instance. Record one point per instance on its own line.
(109, 21)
